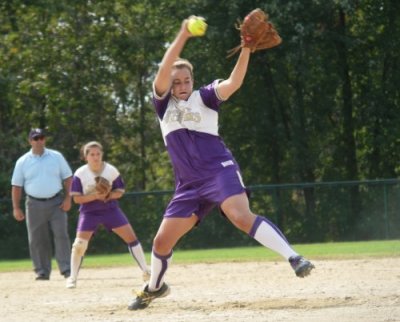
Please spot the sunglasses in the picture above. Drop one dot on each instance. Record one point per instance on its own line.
(37, 138)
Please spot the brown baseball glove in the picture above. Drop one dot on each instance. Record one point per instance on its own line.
(103, 186)
(256, 33)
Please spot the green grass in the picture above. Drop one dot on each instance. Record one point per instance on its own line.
(342, 250)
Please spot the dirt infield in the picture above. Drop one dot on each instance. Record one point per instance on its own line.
(337, 291)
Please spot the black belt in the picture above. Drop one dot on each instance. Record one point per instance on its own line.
(44, 199)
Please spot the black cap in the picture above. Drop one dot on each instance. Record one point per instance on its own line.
(36, 133)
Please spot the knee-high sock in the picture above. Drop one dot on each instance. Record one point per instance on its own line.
(269, 235)
(159, 266)
(78, 251)
(136, 250)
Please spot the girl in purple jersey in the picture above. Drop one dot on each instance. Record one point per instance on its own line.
(206, 173)
(96, 209)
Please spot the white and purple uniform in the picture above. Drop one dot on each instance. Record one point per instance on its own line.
(206, 173)
(94, 213)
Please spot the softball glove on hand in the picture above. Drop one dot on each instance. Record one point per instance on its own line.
(256, 33)
(103, 186)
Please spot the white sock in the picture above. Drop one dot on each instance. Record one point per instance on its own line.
(159, 266)
(269, 235)
(78, 251)
(136, 250)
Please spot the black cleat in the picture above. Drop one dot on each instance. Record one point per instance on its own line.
(145, 297)
(301, 266)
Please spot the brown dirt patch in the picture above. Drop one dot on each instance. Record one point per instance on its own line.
(337, 291)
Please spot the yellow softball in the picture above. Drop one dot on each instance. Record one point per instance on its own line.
(197, 26)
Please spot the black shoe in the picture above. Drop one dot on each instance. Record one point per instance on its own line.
(66, 274)
(42, 277)
(301, 266)
(145, 297)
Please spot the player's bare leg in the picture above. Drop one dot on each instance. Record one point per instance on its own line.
(264, 231)
(170, 231)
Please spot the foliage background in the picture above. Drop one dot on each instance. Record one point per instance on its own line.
(323, 106)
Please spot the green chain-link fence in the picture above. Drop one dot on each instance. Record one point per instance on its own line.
(308, 212)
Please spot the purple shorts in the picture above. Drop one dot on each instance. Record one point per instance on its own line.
(200, 197)
(110, 219)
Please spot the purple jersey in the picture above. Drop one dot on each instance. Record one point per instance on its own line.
(190, 132)
(83, 183)
(206, 173)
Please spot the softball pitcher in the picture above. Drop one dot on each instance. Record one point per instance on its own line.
(206, 173)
